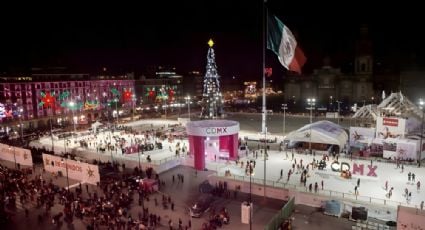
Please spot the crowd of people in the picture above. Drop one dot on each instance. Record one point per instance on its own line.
(108, 205)
(128, 140)
(28, 188)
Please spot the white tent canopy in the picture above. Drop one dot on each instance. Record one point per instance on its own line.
(324, 132)
(95, 125)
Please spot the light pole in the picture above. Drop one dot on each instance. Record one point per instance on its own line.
(251, 171)
(107, 103)
(311, 102)
(138, 154)
(133, 100)
(112, 158)
(21, 110)
(72, 106)
(51, 133)
(14, 154)
(64, 144)
(421, 105)
(284, 107)
(339, 102)
(67, 178)
(116, 109)
(188, 105)
(164, 105)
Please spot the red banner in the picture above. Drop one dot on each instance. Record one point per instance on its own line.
(268, 71)
(390, 121)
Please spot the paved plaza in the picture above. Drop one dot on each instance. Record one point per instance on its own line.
(371, 189)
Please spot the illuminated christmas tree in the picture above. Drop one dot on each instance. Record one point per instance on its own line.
(212, 104)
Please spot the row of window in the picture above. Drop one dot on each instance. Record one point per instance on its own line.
(42, 85)
(76, 91)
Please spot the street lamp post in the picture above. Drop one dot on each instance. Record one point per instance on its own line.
(133, 100)
(116, 109)
(107, 103)
(67, 177)
(21, 110)
(51, 131)
(339, 102)
(112, 158)
(64, 145)
(138, 154)
(311, 102)
(188, 105)
(71, 105)
(250, 194)
(421, 105)
(164, 105)
(14, 155)
(284, 107)
(420, 148)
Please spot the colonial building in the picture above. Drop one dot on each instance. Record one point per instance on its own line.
(83, 94)
(162, 86)
(329, 85)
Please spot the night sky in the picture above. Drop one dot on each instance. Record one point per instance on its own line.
(126, 37)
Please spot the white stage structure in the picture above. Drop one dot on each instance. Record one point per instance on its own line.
(324, 132)
(397, 120)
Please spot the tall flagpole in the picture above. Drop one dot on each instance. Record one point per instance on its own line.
(264, 114)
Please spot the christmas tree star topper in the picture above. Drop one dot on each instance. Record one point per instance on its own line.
(211, 42)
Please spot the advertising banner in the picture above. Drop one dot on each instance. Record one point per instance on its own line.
(76, 170)
(390, 127)
(9, 153)
(390, 149)
(360, 135)
(406, 151)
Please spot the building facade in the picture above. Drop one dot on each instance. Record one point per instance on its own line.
(161, 87)
(82, 94)
(329, 85)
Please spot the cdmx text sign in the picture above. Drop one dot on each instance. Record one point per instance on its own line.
(358, 169)
(213, 130)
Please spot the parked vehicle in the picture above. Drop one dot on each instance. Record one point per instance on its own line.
(202, 205)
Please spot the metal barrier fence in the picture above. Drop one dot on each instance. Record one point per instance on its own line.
(325, 192)
(282, 215)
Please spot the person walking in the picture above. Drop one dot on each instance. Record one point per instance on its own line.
(316, 187)
(322, 184)
(413, 177)
(422, 205)
(409, 175)
(418, 185)
(281, 173)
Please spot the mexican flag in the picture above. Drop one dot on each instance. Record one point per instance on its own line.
(282, 42)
